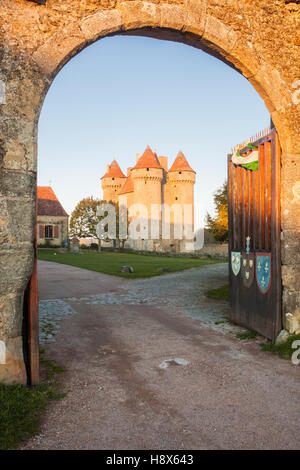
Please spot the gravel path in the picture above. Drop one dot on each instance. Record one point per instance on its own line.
(182, 291)
(148, 365)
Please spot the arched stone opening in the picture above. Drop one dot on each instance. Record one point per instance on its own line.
(37, 41)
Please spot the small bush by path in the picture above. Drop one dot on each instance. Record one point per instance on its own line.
(221, 293)
(248, 334)
(284, 350)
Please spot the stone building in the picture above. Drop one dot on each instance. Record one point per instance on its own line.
(52, 219)
(167, 196)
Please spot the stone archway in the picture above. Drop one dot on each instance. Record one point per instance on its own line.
(259, 39)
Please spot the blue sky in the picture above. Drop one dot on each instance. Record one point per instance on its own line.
(124, 93)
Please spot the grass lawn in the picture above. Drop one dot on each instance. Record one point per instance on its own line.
(111, 262)
(248, 334)
(221, 293)
(22, 408)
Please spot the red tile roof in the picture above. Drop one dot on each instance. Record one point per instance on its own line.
(181, 164)
(114, 171)
(47, 202)
(127, 187)
(148, 160)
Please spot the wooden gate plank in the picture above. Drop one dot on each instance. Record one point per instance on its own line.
(33, 319)
(255, 225)
(244, 208)
(34, 375)
(239, 183)
(262, 197)
(267, 146)
(231, 221)
(235, 211)
(250, 208)
(275, 226)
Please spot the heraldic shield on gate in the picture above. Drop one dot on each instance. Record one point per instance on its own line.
(236, 262)
(263, 271)
(247, 269)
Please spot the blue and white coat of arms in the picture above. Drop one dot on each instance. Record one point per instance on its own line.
(263, 271)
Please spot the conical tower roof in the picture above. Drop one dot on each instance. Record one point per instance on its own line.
(181, 164)
(127, 186)
(148, 160)
(114, 171)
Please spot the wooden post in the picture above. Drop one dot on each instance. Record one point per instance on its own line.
(230, 204)
(268, 195)
(275, 226)
(33, 319)
(34, 374)
(262, 197)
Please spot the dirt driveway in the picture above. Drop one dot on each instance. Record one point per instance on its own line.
(150, 366)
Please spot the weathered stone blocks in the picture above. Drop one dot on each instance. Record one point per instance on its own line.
(13, 370)
(10, 318)
(15, 268)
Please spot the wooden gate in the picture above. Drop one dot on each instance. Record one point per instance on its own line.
(31, 324)
(254, 239)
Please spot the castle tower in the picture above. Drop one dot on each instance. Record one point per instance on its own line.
(112, 182)
(147, 176)
(179, 188)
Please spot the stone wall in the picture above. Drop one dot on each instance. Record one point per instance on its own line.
(215, 250)
(260, 38)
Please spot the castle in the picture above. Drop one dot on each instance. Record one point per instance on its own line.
(167, 196)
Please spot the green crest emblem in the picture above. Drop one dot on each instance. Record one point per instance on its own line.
(235, 262)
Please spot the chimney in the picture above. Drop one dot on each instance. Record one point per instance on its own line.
(107, 168)
(164, 162)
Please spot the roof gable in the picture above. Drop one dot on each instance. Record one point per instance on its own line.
(47, 202)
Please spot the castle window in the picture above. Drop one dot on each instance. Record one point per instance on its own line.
(113, 179)
(147, 169)
(176, 198)
(180, 172)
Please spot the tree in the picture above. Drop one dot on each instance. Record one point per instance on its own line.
(218, 225)
(84, 219)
